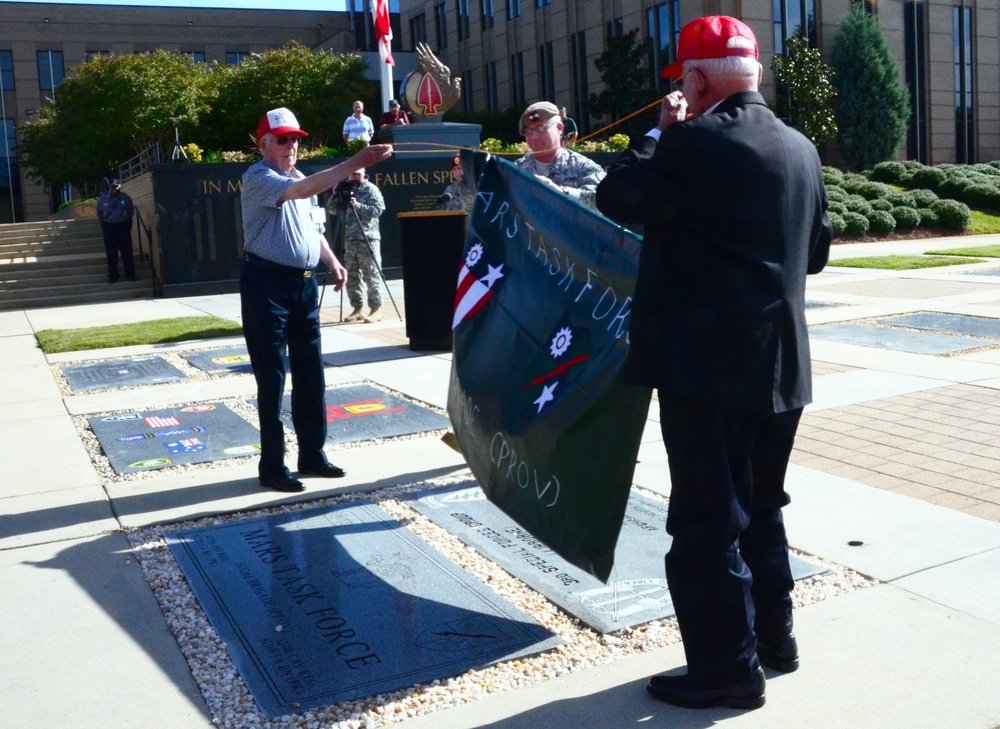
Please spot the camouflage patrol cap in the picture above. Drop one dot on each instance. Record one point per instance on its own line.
(539, 111)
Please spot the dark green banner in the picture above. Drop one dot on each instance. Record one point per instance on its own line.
(541, 332)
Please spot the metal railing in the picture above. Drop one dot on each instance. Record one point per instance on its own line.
(140, 163)
(143, 228)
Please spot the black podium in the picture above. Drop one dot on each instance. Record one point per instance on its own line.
(431, 245)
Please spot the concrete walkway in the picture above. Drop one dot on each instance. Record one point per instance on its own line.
(894, 476)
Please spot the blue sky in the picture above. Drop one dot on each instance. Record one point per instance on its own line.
(238, 4)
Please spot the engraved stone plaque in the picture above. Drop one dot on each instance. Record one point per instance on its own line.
(144, 441)
(362, 412)
(637, 590)
(228, 361)
(342, 602)
(897, 340)
(132, 372)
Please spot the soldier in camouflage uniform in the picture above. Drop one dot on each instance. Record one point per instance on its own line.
(569, 172)
(462, 194)
(358, 260)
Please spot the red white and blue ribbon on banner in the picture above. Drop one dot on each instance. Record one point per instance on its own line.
(540, 335)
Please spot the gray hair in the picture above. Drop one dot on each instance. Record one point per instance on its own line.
(729, 67)
(265, 137)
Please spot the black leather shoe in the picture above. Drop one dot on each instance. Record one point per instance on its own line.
(326, 470)
(682, 691)
(782, 654)
(287, 484)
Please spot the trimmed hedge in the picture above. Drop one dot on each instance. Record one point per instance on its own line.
(906, 218)
(952, 214)
(855, 223)
(881, 222)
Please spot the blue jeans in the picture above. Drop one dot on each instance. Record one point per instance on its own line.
(279, 310)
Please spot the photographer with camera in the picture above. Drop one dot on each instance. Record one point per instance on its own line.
(362, 258)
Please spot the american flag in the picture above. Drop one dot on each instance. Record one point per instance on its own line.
(157, 422)
(188, 445)
(380, 12)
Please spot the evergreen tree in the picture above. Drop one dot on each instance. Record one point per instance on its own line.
(805, 90)
(624, 70)
(872, 104)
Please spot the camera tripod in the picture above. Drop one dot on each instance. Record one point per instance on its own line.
(339, 233)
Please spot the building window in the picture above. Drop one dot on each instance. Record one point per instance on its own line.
(915, 67)
(542, 3)
(490, 80)
(467, 105)
(50, 70)
(546, 72)
(6, 70)
(441, 26)
(196, 56)
(513, 9)
(10, 176)
(487, 6)
(663, 27)
(418, 29)
(788, 18)
(91, 55)
(462, 11)
(360, 18)
(235, 57)
(517, 79)
(615, 27)
(579, 57)
(965, 125)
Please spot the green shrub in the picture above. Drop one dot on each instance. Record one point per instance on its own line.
(952, 214)
(953, 186)
(882, 204)
(881, 222)
(906, 218)
(837, 207)
(923, 198)
(892, 172)
(91, 200)
(839, 226)
(857, 204)
(873, 190)
(928, 218)
(929, 178)
(901, 199)
(982, 195)
(855, 223)
(832, 176)
(836, 194)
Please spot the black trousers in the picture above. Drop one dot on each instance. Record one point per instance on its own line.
(118, 241)
(278, 310)
(727, 567)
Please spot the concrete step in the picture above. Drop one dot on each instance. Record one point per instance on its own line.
(73, 295)
(46, 249)
(91, 275)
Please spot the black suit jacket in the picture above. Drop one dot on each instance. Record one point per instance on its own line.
(735, 212)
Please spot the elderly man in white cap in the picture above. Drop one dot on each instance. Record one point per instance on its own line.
(283, 242)
(569, 172)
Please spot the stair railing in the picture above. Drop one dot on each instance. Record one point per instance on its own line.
(143, 256)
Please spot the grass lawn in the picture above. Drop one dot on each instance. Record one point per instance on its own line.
(984, 223)
(157, 331)
(903, 263)
(986, 251)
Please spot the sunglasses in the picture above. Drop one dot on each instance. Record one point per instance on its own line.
(286, 139)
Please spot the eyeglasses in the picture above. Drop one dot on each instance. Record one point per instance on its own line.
(286, 139)
(533, 131)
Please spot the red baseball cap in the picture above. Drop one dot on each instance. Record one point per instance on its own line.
(715, 36)
(279, 121)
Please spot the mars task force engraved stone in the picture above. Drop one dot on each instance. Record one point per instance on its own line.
(362, 412)
(132, 372)
(342, 602)
(144, 441)
(637, 591)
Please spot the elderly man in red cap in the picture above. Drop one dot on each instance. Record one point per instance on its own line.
(735, 217)
(283, 243)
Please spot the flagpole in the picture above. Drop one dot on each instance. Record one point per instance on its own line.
(386, 85)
